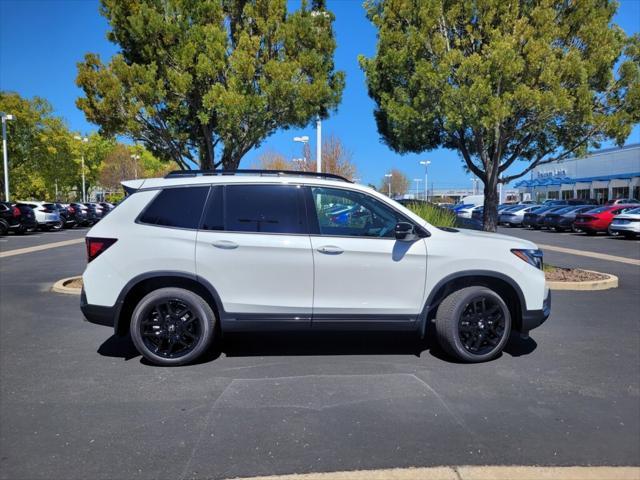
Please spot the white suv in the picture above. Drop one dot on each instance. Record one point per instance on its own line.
(189, 256)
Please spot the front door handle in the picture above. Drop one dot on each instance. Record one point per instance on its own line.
(330, 250)
(225, 244)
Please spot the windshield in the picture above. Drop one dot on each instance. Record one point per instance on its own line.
(634, 211)
(599, 210)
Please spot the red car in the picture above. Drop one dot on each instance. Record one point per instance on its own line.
(599, 219)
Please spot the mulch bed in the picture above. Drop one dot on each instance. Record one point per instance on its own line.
(558, 274)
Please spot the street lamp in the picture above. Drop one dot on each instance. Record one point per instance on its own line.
(83, 140)
(389, 175)
(135, 158)
(417, 180)
(5, 118)
(426, 164)
(304, 140)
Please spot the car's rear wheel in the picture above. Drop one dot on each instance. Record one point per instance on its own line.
(473, 324)
(172, 326)
(58, 225)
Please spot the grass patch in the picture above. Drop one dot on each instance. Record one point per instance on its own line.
(435, 215)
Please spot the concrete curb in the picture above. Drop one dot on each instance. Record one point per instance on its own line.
(59, 287)
(471, 473)
(610, 282)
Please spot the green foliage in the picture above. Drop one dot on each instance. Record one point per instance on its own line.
(196, 77)
(502, 81)
(433, 214)
(40, 148)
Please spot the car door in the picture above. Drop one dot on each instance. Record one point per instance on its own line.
(254, 249)
(362, 273)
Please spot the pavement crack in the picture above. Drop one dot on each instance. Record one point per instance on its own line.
(205, 426)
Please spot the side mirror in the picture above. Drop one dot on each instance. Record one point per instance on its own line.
(405, 231)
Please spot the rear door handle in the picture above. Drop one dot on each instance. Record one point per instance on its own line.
(330, 250)
(225, 244)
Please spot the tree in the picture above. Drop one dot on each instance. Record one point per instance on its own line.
(272, 160)
(399, 183)
(336, 158)
(198, 79)
(126, 162)
(502, 81)
(39, 148)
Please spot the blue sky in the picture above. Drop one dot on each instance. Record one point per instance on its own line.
(41, 41)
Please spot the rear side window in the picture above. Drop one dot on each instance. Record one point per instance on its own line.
(176, 207)
(263, 209)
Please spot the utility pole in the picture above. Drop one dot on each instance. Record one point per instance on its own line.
(318, 144)
(426, 164)
(82, 140)
(5, 118)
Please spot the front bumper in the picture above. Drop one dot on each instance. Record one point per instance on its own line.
(534, 318)
(97, 313)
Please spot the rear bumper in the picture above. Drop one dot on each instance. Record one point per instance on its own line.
(534, 318)
(97, 314)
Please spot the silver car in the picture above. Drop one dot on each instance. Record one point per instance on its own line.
(513, 216)
(46, 213)
(627, 224)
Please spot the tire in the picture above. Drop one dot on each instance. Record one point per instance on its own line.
(4, 228)
(449, 319)
(591, 233)
(21, 230)
(157, 313)
(57, 226)
(629, 235)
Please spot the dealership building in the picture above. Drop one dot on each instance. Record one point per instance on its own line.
(602, 175)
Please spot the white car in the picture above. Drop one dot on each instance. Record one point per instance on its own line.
(467, 212)
(187, 257)
(47, 214)
(514, 215)
(627, 223)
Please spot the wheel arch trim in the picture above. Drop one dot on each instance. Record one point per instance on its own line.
(439, 292)
(121, 326)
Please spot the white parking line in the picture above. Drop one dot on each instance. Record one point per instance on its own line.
(583, 253)
(37, 248)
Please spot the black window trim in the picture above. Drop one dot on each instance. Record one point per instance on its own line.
(138, 220)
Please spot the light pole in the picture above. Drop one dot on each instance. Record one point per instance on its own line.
(135, 158)
(417, 180)
(318, 144)
(389, 175)
(5, 118)
(83, 140)
(426, 164)
(304, 140)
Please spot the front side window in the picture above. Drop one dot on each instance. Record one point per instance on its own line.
(176, 207)
(264, 209)
(353, 214)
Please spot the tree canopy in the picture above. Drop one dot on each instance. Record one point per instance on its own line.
(201, 82)
(399, 183)
(502, 82)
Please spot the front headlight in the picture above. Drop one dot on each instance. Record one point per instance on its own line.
(532, 257)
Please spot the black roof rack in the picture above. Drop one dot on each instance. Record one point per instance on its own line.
(277, 173)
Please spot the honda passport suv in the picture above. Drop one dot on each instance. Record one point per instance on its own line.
(190, 256)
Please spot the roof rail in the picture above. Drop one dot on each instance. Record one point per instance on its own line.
(277, 173)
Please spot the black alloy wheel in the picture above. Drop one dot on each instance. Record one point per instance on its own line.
(481, 325)
(473, 324)
(170, 328)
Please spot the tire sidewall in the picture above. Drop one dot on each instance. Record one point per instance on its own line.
(206, 319)
(463, 352)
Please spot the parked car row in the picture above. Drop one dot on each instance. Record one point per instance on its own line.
(619, 216)
(30, 215)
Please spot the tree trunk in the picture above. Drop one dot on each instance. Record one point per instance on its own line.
(491, 200)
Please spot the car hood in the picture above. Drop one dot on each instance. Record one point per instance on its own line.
(489, 236)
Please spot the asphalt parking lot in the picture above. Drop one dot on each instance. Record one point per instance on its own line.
(77, 403)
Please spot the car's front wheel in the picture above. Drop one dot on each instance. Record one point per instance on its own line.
(172, 326)
(473, 324)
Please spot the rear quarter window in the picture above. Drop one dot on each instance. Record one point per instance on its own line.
(176, 207)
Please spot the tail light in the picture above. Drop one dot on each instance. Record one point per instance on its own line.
(95, 246)
(16, 212)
